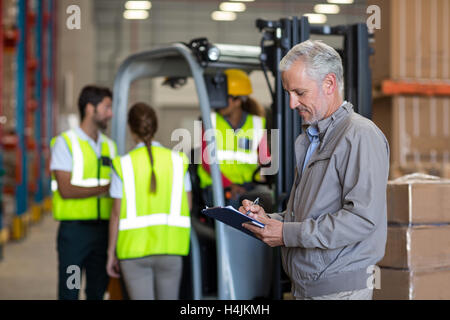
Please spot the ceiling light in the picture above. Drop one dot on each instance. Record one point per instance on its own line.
(242, 0)
(135, 14)
(316, 18)
(232, 6)
(340, 1)
(223, 16)
(326, 8)
(138, 5)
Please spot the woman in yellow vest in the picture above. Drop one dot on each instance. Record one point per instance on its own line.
(240, 152)
(150, 222)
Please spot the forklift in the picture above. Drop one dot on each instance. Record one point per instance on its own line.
(224, 263)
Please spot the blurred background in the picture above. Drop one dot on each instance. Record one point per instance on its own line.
(45, 60)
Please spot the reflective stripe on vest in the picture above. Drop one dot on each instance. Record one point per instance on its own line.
(78, 164)
(85, 163)
(174, 218)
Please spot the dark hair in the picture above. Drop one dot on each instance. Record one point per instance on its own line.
(144, 123)
(92, 94)
(252, 106)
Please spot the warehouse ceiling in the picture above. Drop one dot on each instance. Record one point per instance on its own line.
(178, 20)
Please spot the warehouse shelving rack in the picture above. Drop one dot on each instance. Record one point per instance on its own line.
(34, 46)
(20, 222)
(49, 99)
(2, 237)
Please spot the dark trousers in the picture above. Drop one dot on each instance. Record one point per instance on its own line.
(82, 246)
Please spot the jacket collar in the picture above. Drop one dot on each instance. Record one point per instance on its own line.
(328, 123)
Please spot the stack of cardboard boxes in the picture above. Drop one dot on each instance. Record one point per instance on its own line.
(417, 260)
(413, 46)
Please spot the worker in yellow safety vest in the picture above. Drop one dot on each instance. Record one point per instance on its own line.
(81, 172)
(150, 221)
(241, 141)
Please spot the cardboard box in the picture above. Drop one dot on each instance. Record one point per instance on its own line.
(412, 41)
(429, 168)
(417, 248)
(418, 201)
(409, 285)
(417, 129)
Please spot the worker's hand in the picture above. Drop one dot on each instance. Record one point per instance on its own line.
(105, 189)
(271, 234)
(112, 266)
(247, 205)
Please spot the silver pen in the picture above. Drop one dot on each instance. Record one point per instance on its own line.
(254, 202)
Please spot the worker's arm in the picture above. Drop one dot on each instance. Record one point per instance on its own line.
(69, 191)
(112, 265)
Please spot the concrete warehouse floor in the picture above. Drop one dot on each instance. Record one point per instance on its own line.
(28, 270)
(29, 266)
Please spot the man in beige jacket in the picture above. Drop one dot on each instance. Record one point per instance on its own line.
(334, 228)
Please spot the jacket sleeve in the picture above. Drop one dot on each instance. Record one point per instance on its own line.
(363, 172)
(277, 216)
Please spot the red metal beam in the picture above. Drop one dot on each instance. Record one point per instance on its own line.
(420, 88)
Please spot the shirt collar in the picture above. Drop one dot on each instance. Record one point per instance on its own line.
(240, 124)
(154, 143)
(323, 124)
(312, 132)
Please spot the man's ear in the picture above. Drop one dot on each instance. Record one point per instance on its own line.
(90, 109)
(330, 84)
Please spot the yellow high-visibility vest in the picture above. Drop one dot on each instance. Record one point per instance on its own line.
(237, 151)
(87, 171)
(153, 223)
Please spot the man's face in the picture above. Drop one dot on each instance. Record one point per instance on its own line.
(306, 95)
(103, 113)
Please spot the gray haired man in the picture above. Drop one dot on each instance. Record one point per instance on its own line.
(334, 227)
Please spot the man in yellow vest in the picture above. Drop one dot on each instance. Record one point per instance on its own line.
(81, 169)
(241, 141)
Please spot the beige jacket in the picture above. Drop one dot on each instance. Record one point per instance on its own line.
(335, 224)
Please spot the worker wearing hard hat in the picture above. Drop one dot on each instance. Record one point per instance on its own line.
(241, 141)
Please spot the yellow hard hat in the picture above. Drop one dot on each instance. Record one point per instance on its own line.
(238, 83)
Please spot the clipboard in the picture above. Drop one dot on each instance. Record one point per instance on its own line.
(232, 217)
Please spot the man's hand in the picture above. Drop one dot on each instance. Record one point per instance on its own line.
(272, 233)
